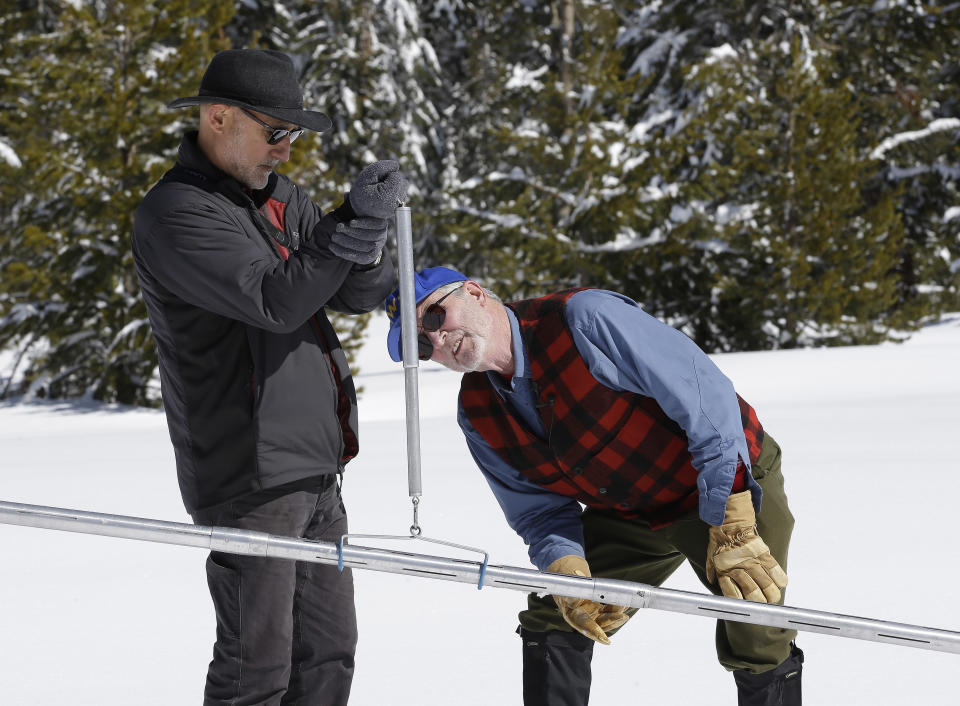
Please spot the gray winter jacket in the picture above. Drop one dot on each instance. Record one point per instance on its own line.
(255, 385)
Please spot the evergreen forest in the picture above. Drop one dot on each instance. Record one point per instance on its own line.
(760, 175)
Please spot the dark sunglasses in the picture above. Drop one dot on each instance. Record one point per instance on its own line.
(276, 133)
(431, 321)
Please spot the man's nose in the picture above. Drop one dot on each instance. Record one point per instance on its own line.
(281, 150)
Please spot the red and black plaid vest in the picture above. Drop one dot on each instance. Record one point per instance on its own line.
(608, 449)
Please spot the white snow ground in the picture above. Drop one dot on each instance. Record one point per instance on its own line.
(869, 437)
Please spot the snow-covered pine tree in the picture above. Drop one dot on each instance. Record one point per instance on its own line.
(83, 92)
(901, 60)
(538, 114)
(768, 80)
(660, 254)
(802, 257)
(641, 146)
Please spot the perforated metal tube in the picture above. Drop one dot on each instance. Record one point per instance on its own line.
(625, 593)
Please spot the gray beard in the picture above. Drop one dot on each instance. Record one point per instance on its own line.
(252, 179)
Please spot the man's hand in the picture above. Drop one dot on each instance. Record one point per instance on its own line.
(360, 241)
(378, 189)
(588, 618)
(739, 559)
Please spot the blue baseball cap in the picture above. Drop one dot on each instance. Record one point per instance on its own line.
(425, 283)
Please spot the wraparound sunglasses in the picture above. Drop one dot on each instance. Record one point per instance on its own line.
(431, 321)
(276, 133)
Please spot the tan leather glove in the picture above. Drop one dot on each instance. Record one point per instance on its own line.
(588, 618)
(739, 559)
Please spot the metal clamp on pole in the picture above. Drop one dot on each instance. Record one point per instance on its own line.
(344, 544)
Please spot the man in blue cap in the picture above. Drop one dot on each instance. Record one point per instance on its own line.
(580, 398)
(425, 282)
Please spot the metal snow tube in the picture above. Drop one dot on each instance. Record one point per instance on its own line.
(625, 593)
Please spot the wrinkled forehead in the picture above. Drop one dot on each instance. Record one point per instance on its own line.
(428, 300)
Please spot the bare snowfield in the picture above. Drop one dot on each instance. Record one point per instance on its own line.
(868, 438)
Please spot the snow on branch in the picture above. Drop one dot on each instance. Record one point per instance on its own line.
(509, 221)
(940, 125)
(521, 77)
(9, 156)
(129, 328)
(652, 56)
(517, 174)
(626, 239)
(946, 171)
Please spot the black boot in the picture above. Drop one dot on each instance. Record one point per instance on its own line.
(556, 668)
(778, 687)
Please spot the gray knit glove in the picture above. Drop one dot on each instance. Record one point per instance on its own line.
(378, 189)
(359, 241)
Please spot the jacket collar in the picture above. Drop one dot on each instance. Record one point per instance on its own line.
(192, 158)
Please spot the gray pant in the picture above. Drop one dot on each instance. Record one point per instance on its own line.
(286, 631)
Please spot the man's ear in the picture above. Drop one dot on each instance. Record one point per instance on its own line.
(472, 289)
(214, 115)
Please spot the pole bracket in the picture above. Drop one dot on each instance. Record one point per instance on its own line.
(389, 537)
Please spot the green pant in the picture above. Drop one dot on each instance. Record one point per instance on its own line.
(631, 551)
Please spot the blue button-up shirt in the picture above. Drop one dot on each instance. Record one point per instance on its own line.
(628, 350)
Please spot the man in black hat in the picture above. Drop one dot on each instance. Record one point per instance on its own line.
(237, 268)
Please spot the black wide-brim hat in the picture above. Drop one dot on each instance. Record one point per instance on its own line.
(260, 80)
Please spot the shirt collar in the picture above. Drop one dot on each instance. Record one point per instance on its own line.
(521, 363)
